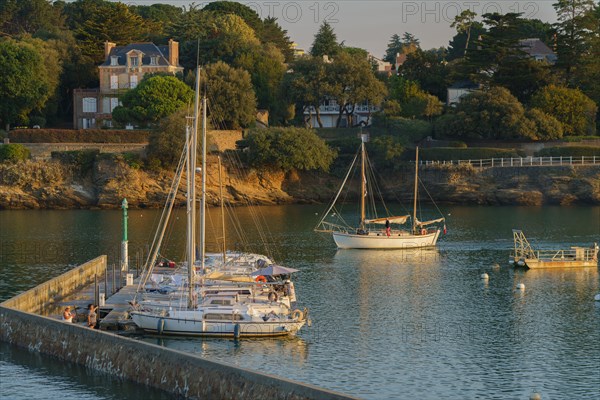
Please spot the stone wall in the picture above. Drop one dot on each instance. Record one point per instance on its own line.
(43, 151)
(176, 372)
(34, 300)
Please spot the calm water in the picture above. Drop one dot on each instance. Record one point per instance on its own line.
(386, 324)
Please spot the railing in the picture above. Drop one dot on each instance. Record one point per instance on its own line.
(520, 161)
(579, 254)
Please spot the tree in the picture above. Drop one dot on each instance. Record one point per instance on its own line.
(546, 126)
(463, 24)
(413, 101)
(160, 17)
(166, 142)
(587, 74)
(429, 69)
(29, 17)
(153, 99)
(271, 32)
(458, 46)
(266, 67)
(232, 102)
(573, 29)
(352, 82)
(23, 83)
(571, 107)
(289, 149)
(249, 16)
(325, 42)
(405, 45)
(309, 84)
(487, 114)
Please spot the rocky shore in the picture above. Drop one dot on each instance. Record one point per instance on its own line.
(54, 185)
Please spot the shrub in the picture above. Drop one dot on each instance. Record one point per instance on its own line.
(472, 153)
(77, 136)
(410, 130)
(547, 127)
(13, 152)
(289, 149)
(566, 151)
(83, 160)
(37, 120)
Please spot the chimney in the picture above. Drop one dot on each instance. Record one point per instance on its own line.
(108, 46)
(173, 52)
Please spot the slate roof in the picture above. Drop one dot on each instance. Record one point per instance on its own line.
(535, 46)
(148, 49)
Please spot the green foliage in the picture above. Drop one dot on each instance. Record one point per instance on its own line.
(464, 41)
(325, 42)
(232, 102)
(489, 114)
(471, 153)
(133, 160)
(547, 127)
(386, 150)
(13, 153)
(429, 70)
(29, 17)
(410, 130)
(289, 149)
(571, 107)
(82, 160)
(167, 141)
(567, 151)
(406, 44)
(77, 136)
(24, 84)
(153, 99)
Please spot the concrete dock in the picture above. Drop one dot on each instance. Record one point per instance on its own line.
(30, 320)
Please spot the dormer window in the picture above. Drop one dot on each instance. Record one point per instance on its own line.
(153, 60)
(134, 61)
(114, 60)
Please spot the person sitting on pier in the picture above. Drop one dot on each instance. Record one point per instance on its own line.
(68, 315)
(92, 317)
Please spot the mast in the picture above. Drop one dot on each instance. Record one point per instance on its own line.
(363, 185)
(191, 194)
(415, 194)
(203, 198)
(222, 212)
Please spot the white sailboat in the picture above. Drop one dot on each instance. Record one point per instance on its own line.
(256, 309)
(379, 232)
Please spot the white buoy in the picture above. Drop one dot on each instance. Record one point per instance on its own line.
(485, 276)
(535, 396)
(520, 286)
(597, 297)
(496, 266)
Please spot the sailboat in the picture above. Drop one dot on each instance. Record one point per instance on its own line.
(378, 232)
(261, 308)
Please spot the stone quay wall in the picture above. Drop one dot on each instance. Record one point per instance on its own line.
(175, 372)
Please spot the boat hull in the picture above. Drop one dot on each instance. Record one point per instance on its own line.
(381, 241)
(193, 327)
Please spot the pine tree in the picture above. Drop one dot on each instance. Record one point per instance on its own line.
(325, 42)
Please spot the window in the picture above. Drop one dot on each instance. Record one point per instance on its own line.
(133, 80)
(134, 61)
(114, 102)
(114, 60)
(153, 60)
(89, 104)
(114, 82)
(88, 123)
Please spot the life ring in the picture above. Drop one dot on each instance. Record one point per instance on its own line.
(298, 315)
(261, 278)
(273, 296)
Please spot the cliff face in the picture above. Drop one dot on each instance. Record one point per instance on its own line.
(50, 184)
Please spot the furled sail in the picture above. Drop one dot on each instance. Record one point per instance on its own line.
(393, 220)
(433, 221)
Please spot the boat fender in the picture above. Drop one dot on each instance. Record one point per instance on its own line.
(160, 326)
(298, 315)
(236, 331)
(261, 278)
(423, 231)
(273, 296)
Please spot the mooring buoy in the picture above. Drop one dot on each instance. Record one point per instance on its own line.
(485, 276)
(520, 286)
(535, 396)
(597, 297)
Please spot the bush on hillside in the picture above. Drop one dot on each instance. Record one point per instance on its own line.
(77, 136)
(289, 149)
(567, 151)
(82, 160)
(13, 153)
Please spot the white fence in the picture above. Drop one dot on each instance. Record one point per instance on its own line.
(520, 161)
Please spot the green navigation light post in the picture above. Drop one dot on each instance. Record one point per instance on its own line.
(124, 249)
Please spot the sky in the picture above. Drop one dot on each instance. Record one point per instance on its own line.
(369, 24)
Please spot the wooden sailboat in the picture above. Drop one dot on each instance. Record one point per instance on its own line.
(364, 236)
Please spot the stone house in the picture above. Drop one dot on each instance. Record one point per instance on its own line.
(123, 68)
